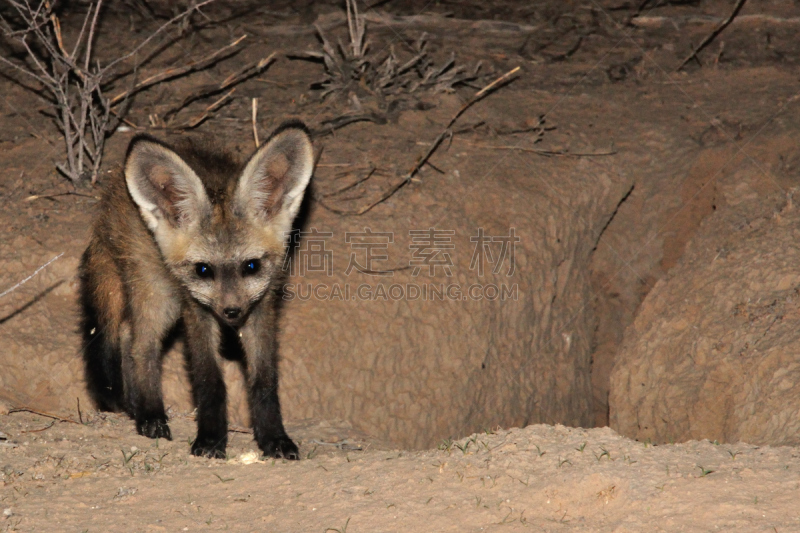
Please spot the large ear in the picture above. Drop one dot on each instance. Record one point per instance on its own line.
(164, 187)
(274, 180)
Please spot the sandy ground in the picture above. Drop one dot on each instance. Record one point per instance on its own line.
(100, 476)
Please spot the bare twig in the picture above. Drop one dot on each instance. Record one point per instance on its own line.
(446, 134)
(711, 36)
(356, 212)
(431, 149)
(350, 186)
(255, 116)
(172, 73)
(23, 409)
(26, 280)
(483, 92)
(447, 131)
(331, 125)
(544, 152)
(170, 22)
(234, 79)
(199, 119)
(51, 196)
(48, 426)
(74, 82)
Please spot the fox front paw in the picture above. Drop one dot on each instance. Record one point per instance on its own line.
(280, 447)
(211, 448)
(154, 428)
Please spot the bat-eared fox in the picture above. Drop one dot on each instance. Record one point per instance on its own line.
(192, 236)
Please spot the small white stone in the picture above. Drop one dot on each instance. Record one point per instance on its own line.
(8, 512)
(248, 458)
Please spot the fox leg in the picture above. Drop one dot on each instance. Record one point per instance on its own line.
(208, 386)
(151, 319)
(141, 371)
(261, 351)
(102, 306)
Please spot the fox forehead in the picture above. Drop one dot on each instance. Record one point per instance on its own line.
(232, 237)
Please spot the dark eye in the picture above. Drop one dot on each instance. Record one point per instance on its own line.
(204, 270)
(250, 267)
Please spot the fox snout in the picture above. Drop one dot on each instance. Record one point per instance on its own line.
(232, 314)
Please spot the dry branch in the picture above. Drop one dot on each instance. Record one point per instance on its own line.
(711, 36)
(350, 186)
(172, 73)
(545, 152)
(236, 78)
(177, 18)
(199, 119)
(447, 133)
(75, 83)
(23, 409)
(333, 124)
(48, 426)
(35, 272)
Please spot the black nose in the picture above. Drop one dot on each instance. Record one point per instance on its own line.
(232, 312)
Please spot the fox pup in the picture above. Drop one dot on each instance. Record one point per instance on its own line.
(192, 234)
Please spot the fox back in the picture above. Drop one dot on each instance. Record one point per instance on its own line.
(191, 233)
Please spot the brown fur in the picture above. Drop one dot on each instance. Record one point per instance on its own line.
(194, 234)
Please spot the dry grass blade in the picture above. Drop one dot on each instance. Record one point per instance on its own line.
(254, 120)
(357, 28)
(351, 68)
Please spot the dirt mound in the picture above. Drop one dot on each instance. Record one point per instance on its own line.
(60, 476)
(713, 352)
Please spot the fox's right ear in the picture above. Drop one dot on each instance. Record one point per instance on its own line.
(164, 187)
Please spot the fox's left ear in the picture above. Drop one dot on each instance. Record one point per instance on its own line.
(274, 180)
